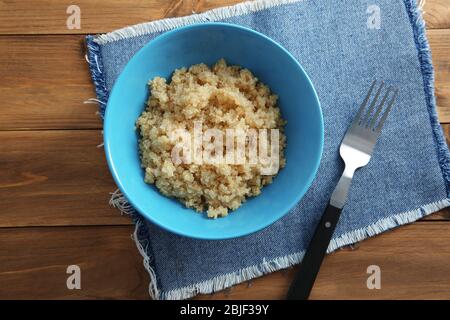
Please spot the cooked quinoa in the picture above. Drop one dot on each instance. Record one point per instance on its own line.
(222, 97)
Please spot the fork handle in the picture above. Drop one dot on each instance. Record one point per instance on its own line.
(312, 260)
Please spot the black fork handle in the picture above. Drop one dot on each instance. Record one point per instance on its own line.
(309, 268)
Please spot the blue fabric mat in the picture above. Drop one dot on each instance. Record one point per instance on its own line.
(342, 49)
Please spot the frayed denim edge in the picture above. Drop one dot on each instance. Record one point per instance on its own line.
(227, 280)
(424, 54)
(217, 14)
(95, 60)
(117, 200)
(141, 233)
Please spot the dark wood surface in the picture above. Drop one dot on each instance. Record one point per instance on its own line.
(55, 185)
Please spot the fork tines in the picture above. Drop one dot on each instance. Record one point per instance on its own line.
(369, 119)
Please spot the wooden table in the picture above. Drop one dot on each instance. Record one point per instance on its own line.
(55, 185)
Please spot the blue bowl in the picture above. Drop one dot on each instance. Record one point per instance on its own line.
(207, 43)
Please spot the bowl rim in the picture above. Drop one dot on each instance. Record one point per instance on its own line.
(177, 231)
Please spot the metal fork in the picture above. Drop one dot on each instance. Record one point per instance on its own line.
(356, 150)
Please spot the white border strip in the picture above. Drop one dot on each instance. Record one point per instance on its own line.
(172, 23)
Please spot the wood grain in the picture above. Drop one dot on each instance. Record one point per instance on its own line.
(55, 178)
(440, 47)
(413, 261)
(49, 16)
(44, 81)
(437, 14)
(34, 263)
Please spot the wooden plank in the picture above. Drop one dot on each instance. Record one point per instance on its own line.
(33, 261)
(413, 262)
(43, 83)
(49, 16)
(45, 79)
(440, 47)
(437, 14)
(55, 178)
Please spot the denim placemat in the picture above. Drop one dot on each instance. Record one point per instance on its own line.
(343, 46)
